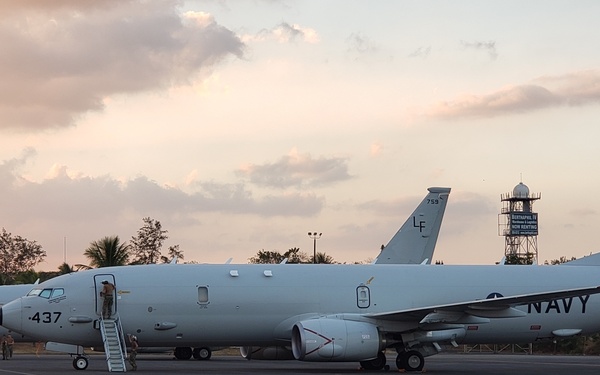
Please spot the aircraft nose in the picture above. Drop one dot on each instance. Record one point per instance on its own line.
(10, 315)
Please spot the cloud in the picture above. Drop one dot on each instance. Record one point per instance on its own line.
(284, 33)
(578, 88)
(391, 208)
(73, 197)
(421, 52)
(466, 204)
(297, 170)
(583, 212)
(62, 59)
(361, 44)
(489, 47)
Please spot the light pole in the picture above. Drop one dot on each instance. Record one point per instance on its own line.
(315, 236)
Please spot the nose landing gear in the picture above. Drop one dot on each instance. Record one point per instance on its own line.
(80, 363)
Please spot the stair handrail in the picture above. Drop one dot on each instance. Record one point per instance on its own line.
(121, 341)
(121, 338)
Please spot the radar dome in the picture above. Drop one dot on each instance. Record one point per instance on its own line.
(521, 191)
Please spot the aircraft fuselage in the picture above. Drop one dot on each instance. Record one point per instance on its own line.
(238, 305)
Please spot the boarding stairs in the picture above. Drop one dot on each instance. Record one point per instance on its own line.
(114, 343)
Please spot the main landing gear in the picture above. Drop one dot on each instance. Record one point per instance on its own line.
(376, 364)
(202, 354)
(184, 352)
(409, 361)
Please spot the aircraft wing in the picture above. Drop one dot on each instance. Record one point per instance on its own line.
(500, 307)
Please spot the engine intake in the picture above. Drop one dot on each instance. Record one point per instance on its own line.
(329, 340)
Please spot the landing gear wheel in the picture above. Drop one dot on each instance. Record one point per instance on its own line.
(375, 364)
(410, 361)
(202, 354)
(80, 363)
(183, 352)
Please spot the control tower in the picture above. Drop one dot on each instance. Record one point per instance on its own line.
(519, 225)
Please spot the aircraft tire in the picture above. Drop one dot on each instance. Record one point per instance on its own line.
(375, 364)
(202, 354)
(410, 361)
(183, 352)
(80, 363)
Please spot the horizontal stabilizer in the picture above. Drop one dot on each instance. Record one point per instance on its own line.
(590, 260)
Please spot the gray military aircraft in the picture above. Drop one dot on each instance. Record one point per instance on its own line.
(324, 312)
(414, 243)
(9, 293)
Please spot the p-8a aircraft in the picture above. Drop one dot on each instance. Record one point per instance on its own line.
(414, 243)
(9, 293)
(324, 312)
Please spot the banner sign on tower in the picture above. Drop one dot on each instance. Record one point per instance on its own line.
(523, 224)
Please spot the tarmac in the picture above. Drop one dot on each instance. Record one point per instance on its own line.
(446, 364)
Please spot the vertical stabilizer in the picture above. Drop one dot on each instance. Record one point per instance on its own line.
(415, 242)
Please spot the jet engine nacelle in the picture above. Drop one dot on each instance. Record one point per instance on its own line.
(269, 353)
(326, 339)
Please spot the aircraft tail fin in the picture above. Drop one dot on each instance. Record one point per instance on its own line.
(415, 242)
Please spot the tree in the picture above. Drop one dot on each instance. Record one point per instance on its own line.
(323, 258)
(26, 277)
(65, 268)
(107, 252)
(293, 256)
(561, 260)
(174, 252)
(515, 259)
(17, 254)
(148, 242)
(266, 257)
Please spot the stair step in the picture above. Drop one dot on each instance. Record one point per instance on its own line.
(112, 346)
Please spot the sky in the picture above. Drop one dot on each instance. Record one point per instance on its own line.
(243, 125)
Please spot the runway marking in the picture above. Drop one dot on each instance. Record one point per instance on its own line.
(17, 372)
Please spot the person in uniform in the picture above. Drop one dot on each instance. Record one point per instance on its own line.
(10, 343)
(107, 293)
(134, 347)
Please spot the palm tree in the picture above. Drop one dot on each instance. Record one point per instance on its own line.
(107, 252)
(323, 258)
(295, 256)
(65, 268)
(266, 257)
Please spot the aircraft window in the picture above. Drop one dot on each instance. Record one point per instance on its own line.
(45, 293)
(58, 292)
(203, 294)
(34, 292)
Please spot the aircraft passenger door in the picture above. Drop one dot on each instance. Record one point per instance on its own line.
(98, 279)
